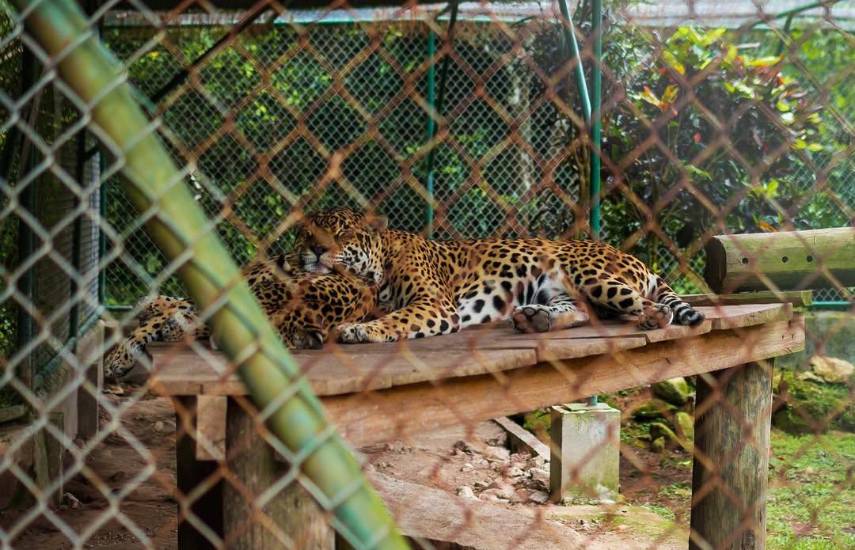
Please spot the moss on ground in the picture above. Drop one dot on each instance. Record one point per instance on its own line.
(814, 406)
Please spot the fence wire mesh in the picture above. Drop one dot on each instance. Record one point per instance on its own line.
(726, 169)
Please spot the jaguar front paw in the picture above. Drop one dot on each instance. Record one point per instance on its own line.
(353, 333)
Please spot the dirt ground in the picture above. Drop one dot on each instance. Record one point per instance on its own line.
(136, 471)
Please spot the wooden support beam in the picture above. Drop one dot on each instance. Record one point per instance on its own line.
(211, 427)
(520, 438)
(89, 352)
(729, 481)
(793, 260)
(402, 411)
(290, 518)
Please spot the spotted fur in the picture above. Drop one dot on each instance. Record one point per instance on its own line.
(439, 287)
(304, 308)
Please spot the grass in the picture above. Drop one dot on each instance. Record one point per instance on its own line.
(811, 491)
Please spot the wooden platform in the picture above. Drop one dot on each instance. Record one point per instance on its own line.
(376, 392)
(380, 392)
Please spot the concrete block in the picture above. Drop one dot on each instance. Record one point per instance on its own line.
(585, 454)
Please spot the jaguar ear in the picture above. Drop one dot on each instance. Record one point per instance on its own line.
(376, 222)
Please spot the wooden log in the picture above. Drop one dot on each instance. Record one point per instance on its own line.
(289, 519)
(731, 463)
(794, 260)
(190, 473)
(799, 298)
(433, 514)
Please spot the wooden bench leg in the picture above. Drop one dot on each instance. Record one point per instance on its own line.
(292, 515)
(731, 464)
(190, 472)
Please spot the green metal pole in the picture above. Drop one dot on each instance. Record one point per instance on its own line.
(596, 114)
(439, 104)
(572, 44)
(787, 24)
(596, 124)
(431, 127)
(211, 277)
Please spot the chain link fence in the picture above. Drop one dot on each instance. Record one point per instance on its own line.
(725, 128)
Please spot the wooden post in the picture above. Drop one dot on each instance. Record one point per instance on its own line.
(731, 464)
(290, 519)
(190, 473)
(89, 352)
(791, 260)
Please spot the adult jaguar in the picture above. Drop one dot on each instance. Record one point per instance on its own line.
(439, 287)
(303, 307)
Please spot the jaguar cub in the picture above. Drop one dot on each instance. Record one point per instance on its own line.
(439, 287)
(303, 307)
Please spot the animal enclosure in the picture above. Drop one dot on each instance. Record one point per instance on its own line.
(154, 148)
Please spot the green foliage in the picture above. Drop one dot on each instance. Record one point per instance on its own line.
(738, 132)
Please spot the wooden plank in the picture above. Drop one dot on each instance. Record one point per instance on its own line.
(340, 369)
(211, 427)
(429, 513)
(799, 298)
(747, 315)
(788, 260)
(520, 438)
(408, 410)
(180, 371)
(731, 460)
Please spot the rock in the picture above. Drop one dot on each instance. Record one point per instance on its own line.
(541, 475)
(675, 391)
(539, 497)
(809, 376)
(660, 430)
(501, 489)
(468, 467)
(657, 445)
(461, 447)
(812, 407)
(159, 426)
(653, 409)
(497, 453)
(466, 492)
(493, 496)
(71, 501)
(685, 425)
(832, 369)
(516, 472)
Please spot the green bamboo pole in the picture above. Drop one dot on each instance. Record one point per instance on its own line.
(240, 327)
